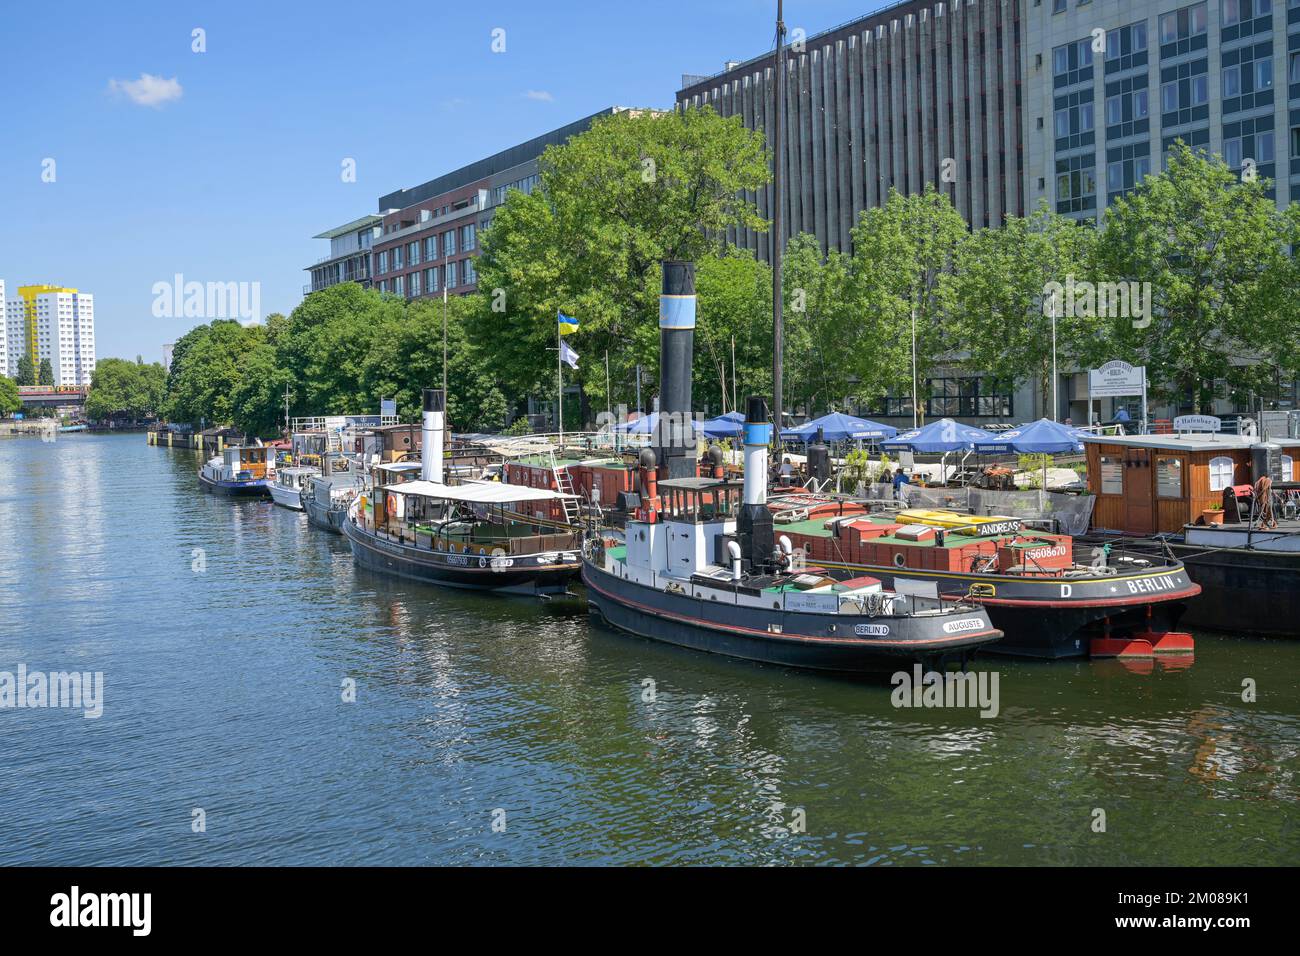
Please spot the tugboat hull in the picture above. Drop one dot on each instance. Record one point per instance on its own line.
(524, 575)
(1057, 618)
(826, 642)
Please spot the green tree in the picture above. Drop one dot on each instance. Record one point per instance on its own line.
(612, 203)
(996, 296)
(206, 371)
(9, 400)
(407, 358)
(26, 371)
(324, 344)
(45, 376)
(902, 253)
(735, 316)
(1213, 247)
(821, 328)
(128, 389)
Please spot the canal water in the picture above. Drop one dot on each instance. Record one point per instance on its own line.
(506, 731)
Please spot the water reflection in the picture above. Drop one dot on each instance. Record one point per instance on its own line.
(225, 690)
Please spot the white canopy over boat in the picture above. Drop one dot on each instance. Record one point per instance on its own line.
(482, 493)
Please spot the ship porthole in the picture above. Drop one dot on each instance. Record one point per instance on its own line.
(900, 561)
(776, 605)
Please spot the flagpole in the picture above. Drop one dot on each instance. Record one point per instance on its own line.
(559, 380)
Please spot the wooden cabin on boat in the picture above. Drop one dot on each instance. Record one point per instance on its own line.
(1154, 484)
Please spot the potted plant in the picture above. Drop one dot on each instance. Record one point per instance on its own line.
(1213, 515)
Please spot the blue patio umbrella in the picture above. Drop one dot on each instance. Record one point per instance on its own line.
(939, 437)
(839, 427)
(730, 425)
(1043, 437)
(645, 425)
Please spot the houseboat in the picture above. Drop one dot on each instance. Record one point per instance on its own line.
(699, 565)
(1224, 505)
(461, 536)
(242, 471)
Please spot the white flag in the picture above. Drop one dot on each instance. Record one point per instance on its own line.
(569, 356)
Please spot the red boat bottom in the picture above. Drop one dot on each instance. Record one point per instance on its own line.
(1143, 644)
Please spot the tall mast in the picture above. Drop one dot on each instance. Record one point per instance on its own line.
(778, 229)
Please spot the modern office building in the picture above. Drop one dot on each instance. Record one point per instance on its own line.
(1004, 104)
(917, 93)
(1112, 85)
(55, 323)
(424, 239)
(349, 257)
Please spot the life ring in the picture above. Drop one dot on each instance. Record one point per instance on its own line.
(482, 562)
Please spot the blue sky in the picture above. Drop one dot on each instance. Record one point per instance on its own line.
(225, 164)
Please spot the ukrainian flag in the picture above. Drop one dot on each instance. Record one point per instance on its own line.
(567, 323)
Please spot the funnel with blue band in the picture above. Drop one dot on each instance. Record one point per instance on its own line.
(675, 438)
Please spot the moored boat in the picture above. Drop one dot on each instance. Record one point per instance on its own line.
(1224, 505)
(1049, 600)
(243, 471)
(289, 483)
(463, 536)
(326, 499)
(700, 566)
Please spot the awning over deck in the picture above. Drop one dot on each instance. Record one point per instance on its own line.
(478, 493)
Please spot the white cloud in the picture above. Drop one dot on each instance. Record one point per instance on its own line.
(149, 90)
(540, 95)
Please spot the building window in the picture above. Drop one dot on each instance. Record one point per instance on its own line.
(1112, 475)
(1169, 477)
(451, 276)
(430, 248)
(413, 250)
(431, 280)
(1058, 6)
(467, 238)
(471, 274)
(383, 262)
(1221, 473)
(397, 258)
(449, 243)
(1184, 24)
(1288, 468)
(415, 284)
(399, 286)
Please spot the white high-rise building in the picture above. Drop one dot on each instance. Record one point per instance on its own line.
(51, 322)
(4, 334)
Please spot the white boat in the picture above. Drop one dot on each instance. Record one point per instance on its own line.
(287, 488)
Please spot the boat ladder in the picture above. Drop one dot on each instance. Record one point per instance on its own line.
(564, 485)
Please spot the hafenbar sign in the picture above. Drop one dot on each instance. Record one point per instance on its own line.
(1117, 380)
(1197, 423)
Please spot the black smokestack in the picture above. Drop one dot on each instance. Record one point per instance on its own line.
(675, 436)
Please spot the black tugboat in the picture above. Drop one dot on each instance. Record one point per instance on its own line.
(700, 566)
(462, 536)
